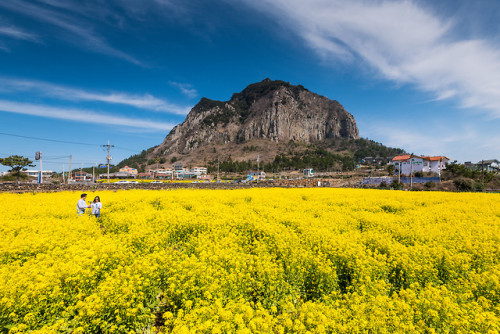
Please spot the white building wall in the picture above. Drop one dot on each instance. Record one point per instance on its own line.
(406, 169)
(426, 167)
(436, 166)
(199, 170)
(34, 173)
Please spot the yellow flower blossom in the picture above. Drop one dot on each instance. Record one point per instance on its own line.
(251, 261)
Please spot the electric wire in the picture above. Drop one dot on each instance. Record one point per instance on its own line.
(64, 141)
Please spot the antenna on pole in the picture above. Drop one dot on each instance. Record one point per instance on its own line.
(108, 157)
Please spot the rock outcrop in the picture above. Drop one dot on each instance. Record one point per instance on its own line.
(268, 111)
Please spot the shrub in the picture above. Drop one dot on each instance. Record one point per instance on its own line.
(479, 186)
(395, 184)
(430, 184)
(464, 184)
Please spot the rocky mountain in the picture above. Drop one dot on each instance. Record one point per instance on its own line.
(262, 120)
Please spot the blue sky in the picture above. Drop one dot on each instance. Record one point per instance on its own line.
(415, 74)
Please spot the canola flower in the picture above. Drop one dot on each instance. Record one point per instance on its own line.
(251, 261)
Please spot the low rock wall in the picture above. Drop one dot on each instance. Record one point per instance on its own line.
(13, 187)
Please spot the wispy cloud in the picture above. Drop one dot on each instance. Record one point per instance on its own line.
(403, 41)
(81, 115)
(145, 101)
(17, 33)
(71, 29)
(185, 89)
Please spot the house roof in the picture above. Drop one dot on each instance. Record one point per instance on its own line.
(486, 162)
(408, 156)
(404, 157)
(127, 167)
(436, 158)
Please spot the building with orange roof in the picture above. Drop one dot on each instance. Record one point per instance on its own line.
(410, 164)
(129, 170)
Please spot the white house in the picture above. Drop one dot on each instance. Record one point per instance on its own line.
(408, 164)
(435, 164)
(308, 172)
(163, 173)
(199, 171)
(412, 164)
(256, 176)
(34, 173)
(492, 165)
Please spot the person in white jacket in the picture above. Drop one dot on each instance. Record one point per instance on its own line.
(82, 205)
(96, 207)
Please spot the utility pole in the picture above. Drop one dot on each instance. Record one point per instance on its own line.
(108, 157)
(38, 156)
(41, 169)
(482, 170)
(218, 169)
(258, 168)
(63, 174)
(69, 172)
(157, 167)
(440, 167)
(411, 171)
(93, 172)
(399, 176)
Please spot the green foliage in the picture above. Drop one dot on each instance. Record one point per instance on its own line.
(430, 184)
(395, 184)
(454, 170)
(479, 186)
(418, 174)
(222, 116)
(231, 166)
(368, 148)
(174, 159)
(390, 169)
(250, 148)
(464, 184)
(17, 163)
(206, 104)
(319, 159)
(242, 101)
(12, 177)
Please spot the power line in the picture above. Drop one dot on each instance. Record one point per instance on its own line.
(64, 141)
(45, 139)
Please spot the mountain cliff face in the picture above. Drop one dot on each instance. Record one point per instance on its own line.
(272, 112)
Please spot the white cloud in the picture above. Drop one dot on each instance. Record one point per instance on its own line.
(81, 116)
(402, 41)
(16, 33)
(145, 101)
(71, 29)
(185, 89)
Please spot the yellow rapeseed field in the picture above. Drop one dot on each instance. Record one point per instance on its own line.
(251, 261)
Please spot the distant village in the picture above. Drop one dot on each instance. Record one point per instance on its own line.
(402, 166)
